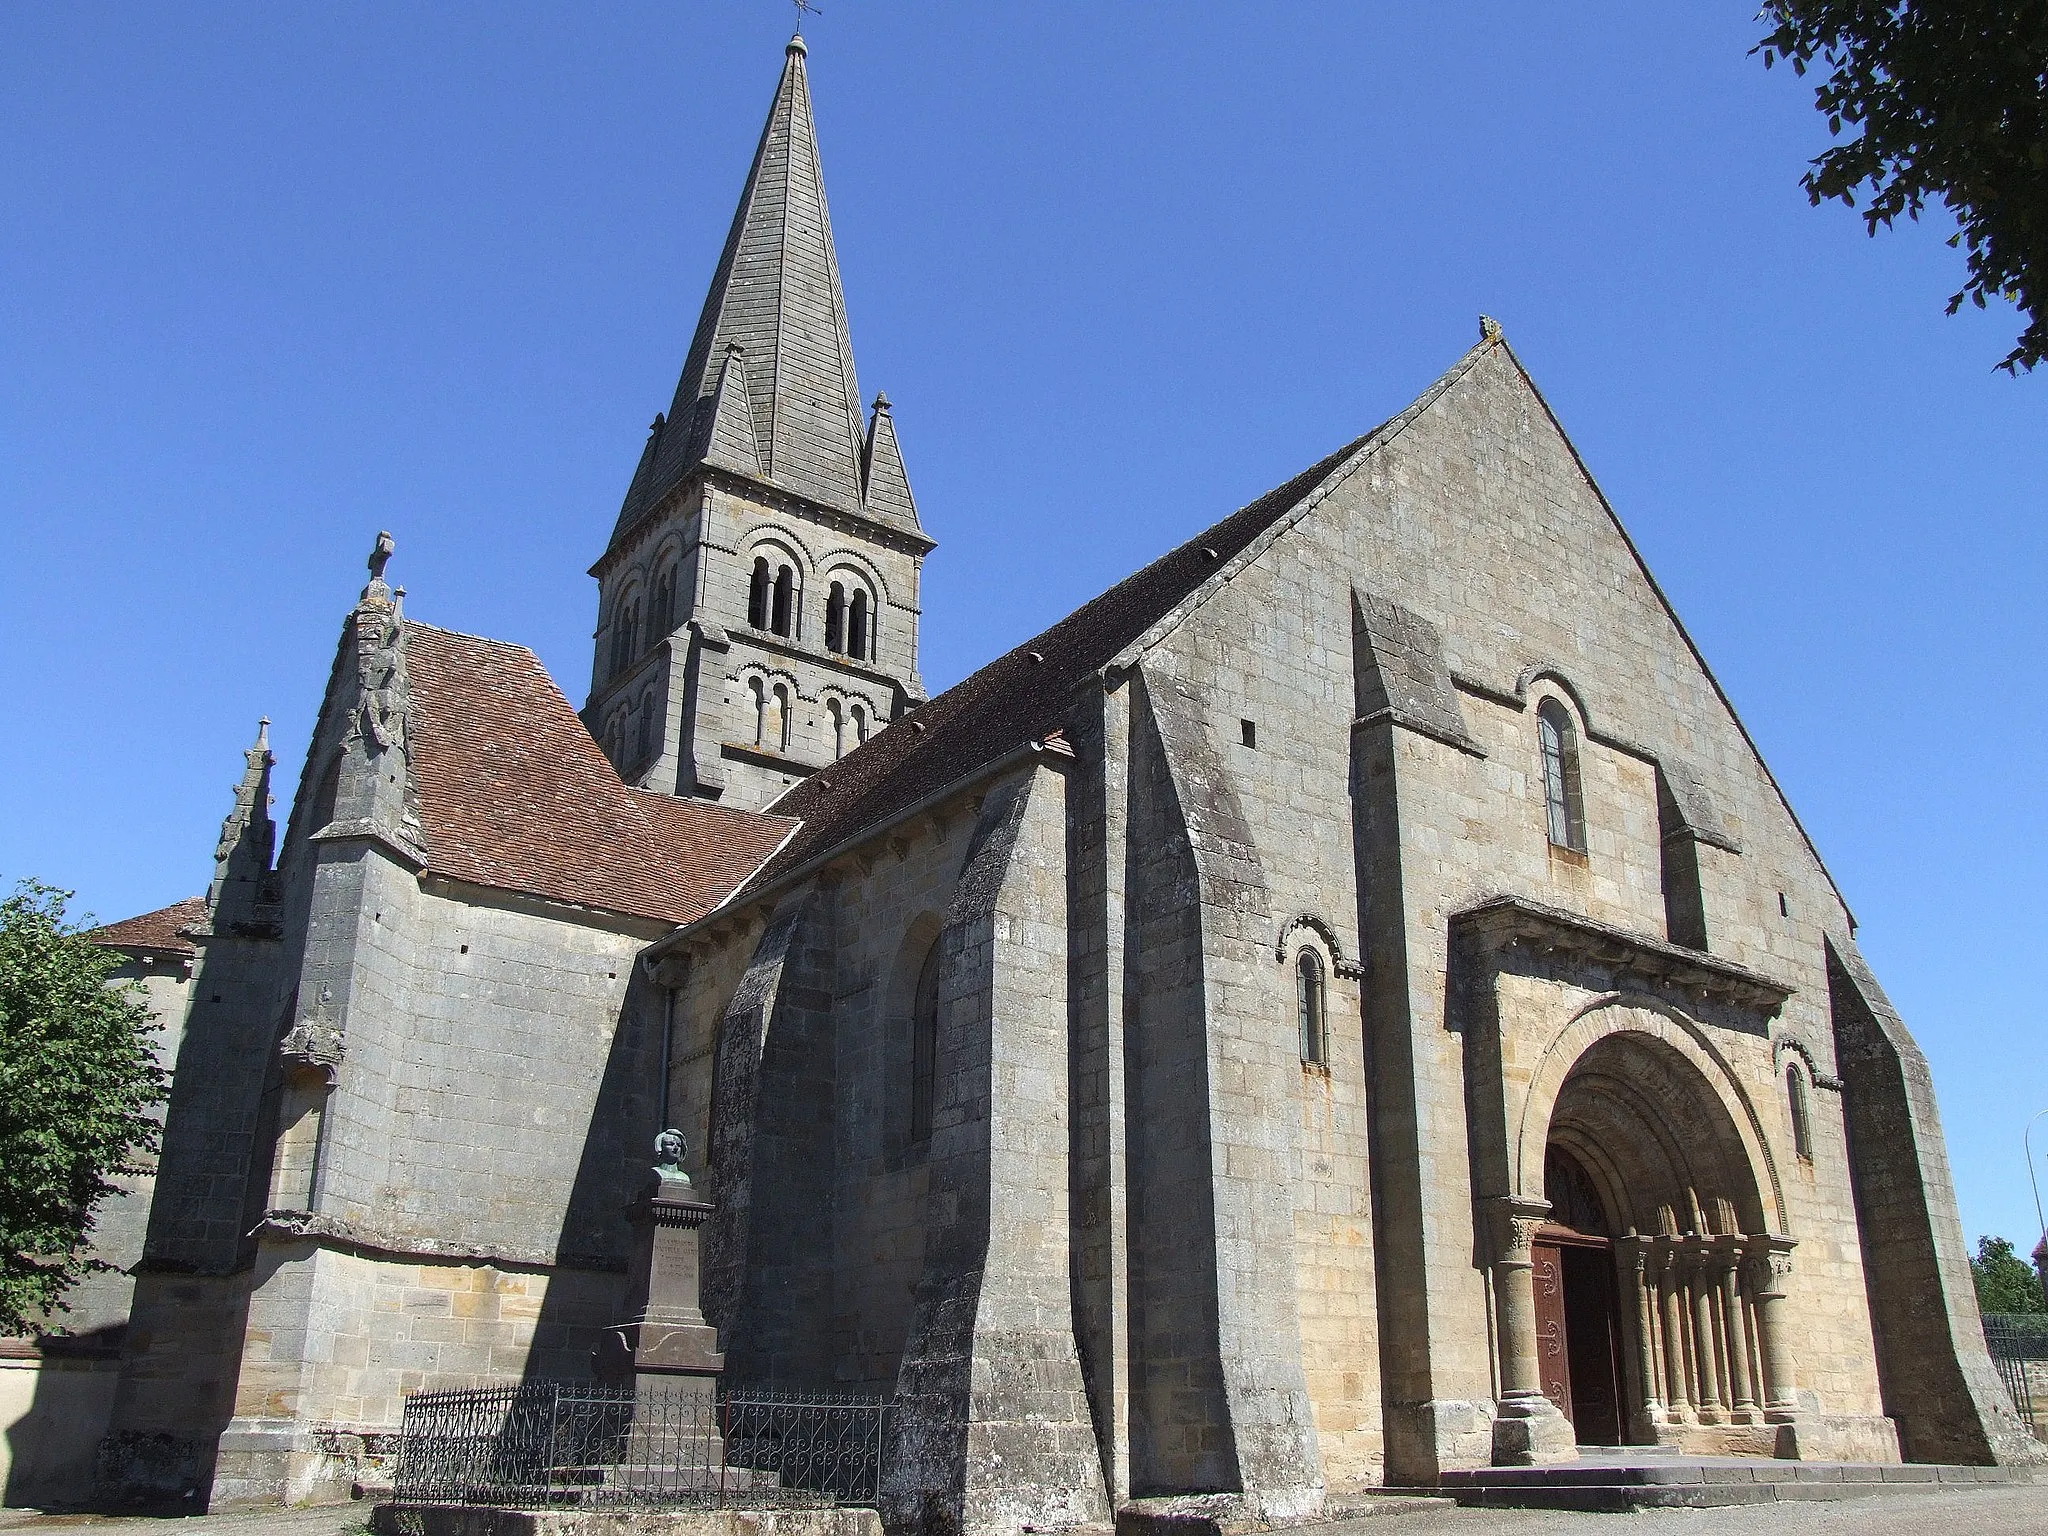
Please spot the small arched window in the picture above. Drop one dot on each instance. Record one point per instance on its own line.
(838, 717)
(924, 1046)
(758, 696)
(860, 725)
(785, 601)
(778, 725)
(661, 618)
(1310, 1014)
(1563, 808)
(758, 594)
(835, 619)
(857, 627)
(1802, 1115)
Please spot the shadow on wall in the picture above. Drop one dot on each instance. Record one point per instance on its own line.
(56, 1396)
(586, 1294)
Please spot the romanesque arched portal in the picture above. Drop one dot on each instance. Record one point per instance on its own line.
(1654, 1269)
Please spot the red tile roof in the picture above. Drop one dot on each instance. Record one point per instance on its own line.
(161, 930)
(515, 795)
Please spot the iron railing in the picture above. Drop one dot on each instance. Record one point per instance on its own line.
(2019, 1344)
(591, 1443)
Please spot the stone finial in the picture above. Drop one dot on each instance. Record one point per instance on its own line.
(1489, 328)
(882, 402)
(380, 556)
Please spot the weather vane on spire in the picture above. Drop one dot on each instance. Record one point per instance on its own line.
(804, 8)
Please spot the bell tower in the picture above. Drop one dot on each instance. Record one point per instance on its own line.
(758, 603)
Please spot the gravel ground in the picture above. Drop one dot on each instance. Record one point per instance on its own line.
(1981, 1512)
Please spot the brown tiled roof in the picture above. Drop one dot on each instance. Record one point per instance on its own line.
(1015, 699)
(515, 795)
(163, 929)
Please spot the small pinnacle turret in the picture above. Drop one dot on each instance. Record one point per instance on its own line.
(248, 839)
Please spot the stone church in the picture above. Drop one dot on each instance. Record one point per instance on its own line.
(1347, 1004)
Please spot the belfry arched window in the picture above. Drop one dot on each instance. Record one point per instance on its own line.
(837, 713)
(857, 626)
(835, 619)
(1563, 807)
(778, 721)
(924, 1046)
(661, 616)
(1802, 1113)
(1310, 1013)
(860, 724)
(759, 592)
(757, 695)
(645, 745)
(785, 601)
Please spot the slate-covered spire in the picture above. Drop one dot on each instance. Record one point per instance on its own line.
(777, 299)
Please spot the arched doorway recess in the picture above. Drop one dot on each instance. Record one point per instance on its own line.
(1658, 1279)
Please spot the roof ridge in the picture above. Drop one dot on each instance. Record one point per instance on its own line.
(1351, 457)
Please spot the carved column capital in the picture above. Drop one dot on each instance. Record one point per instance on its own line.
(1767, 1264)
(1515, 1220)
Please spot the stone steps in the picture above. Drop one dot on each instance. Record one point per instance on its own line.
(1706, 1483)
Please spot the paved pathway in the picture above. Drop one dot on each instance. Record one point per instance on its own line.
(1977, 1512)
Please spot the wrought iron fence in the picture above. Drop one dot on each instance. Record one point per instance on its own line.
(2019, 1348)
(592, 1443)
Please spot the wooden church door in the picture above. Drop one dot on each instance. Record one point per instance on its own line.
(1553, 1356)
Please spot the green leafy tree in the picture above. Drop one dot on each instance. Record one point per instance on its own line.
(1951, 100)
(2005, 1281)
(78, 1082)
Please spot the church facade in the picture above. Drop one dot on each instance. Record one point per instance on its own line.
(1347, 1004)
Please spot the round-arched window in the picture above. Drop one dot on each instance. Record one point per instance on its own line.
(1310, 1011)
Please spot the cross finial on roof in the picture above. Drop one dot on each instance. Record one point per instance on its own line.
(803, 8)
(380, 555)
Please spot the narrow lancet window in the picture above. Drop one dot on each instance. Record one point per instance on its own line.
(924, 1047)
(785, 600)
(857, 627)
(838, 716)
(778, 724)
(757, 595)
(835, 619)
(1802, 1116)
(759, 697)
(1563, 806)
(1309, 1010)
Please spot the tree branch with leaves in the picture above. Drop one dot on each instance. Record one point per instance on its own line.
(1948, 102)
(79, 1082)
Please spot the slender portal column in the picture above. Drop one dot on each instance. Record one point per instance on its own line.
(1677, 1387)
(1701, 1274)
(1529, 1427)
(1642, 1287)
(1770, 1267)
(1727, 1266)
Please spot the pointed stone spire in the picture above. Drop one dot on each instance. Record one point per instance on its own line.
(248, 839)
(884, 487)
(776, 296)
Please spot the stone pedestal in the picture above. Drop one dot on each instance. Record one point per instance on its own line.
(665, 1342)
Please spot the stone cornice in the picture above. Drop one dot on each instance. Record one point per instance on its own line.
(1513, 922)
(354, 1237)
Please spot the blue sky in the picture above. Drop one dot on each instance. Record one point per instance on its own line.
(273, 277)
